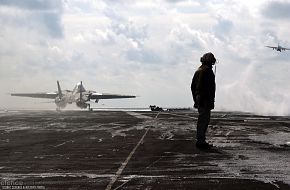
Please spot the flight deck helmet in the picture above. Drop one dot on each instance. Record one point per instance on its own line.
(208, 59)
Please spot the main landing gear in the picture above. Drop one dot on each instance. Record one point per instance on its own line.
(89, 107)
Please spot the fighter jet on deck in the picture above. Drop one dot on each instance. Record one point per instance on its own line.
(278, 48)
(78, 95)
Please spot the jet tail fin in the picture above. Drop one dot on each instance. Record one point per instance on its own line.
(59, 90)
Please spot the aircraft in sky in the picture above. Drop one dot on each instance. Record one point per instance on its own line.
(278, 48)
(78, 95)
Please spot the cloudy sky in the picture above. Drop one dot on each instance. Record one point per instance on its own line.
(150, 48)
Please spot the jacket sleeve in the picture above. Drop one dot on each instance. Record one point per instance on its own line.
(195, 88)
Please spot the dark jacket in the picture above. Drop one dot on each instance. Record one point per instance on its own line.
(203, 87)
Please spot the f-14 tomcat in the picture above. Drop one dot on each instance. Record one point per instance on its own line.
(78, 95)
(278, 48)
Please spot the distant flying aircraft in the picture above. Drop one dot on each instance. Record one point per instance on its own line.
(278, 48)
(78, 95)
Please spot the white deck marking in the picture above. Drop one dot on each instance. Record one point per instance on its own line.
(124, 164)
(185, 116)
(138, 115)
(63, 143)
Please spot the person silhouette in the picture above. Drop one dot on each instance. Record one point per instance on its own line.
(203, 92)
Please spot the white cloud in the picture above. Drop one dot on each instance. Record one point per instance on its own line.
(42, 16)
(276, 10)
(149, 48)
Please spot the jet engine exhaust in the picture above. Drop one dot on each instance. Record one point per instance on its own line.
(81, 104)
(60, 102)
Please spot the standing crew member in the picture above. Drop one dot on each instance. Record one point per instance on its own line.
(203, 93)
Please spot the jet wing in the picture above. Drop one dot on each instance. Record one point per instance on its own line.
(49, 95)
(271, 47)
(99, 96)
(285, 49)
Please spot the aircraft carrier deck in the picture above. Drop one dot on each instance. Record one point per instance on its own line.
(109, 150)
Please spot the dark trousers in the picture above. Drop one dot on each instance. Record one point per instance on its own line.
(202, 123)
